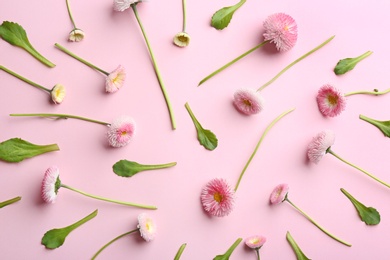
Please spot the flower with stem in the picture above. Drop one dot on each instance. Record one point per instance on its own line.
(51, 184)
(321, 145)
(122, 5)
(182, 39)
(146, 226)
(9, 202)
(250, 102)
(255, 243)
(57, 93)
(120, 131)
(114, 80)
(280, 29)
(280, 194)
(76, 34)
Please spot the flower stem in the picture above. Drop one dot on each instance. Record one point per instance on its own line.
(356, 167)
(9, 202)
(70, 14)
(316, 224)
(63, 116)
(258, 144)
(375, 92)
(83, 220)
(257, 253)
(80, 59)
(156, 69)
(109, 200)
(112, 241)
(363, 56)
(184, 15)
(231, 62)
(24, 79)
(180, 251)
(295, 62)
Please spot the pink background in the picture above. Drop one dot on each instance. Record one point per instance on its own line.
(86, 161)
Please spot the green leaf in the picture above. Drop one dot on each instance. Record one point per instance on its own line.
(205, 137)
(55, 238)
(125, 168)
(384, 126)
(15, 35)
(348, 64)
(180, 251)
(222, 17)
(228, 253)
(9, 202)
(368, 215)
(298, 252)
(16, 150)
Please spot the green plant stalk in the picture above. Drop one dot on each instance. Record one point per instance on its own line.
(83, 220)
(232, 62)
(112, 241)
(295, 62)
(258, 144)
(147, 167)
(358, 168)
(180, 251)
(109, 200)
(70, 14)
(194, 120)
(184, 3)
(156, 69)
(375, 92)
(298, 252)
(316, 224)
(9, 202)
(24, 79)
(63, 116)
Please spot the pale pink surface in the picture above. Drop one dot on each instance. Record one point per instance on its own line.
(86, 160)
(331, 102)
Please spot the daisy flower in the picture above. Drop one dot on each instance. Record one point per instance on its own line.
(280, 194)
(76, 34)
(182, 39)
(248, 101)
(57, 93)
(255, 243)
(114, 80)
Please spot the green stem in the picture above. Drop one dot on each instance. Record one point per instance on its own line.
(82, 221)
(375, 92)
(109, 200)
(9, 202)
(180, 251)
(363, 56)
(258, 144)
(194, 120)
(63, 116)
(157, 166)
(184, 15)
(356, 167)
(80, 59)
(257, 253)
(232, 62)
(295, 62)
(70, 14)
(156, 69)
(232, 248)
(316, 224)
(112, 241)
(24, 79)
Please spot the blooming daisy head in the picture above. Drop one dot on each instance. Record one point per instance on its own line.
(255, 242)
(57, 93)
(115, 79)
(121, 131)
(217, 198)
(331, 102)
(279, 194)
(147, 227)
(319, 146)
(282, 30)
(76, 35)
(51, 184)
(121, 5)
(248, 101)
(181, 39)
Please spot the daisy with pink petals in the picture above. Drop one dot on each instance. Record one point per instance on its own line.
(282, 30)
(280, 194)
(248, 101)
(331, 101)
(255, 243)
(321, 145)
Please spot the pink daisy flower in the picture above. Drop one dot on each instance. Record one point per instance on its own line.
(279, 194)
(248, 101)
(50, 184)
(282, 30)
(331, 102)
(116, 79)
(147, 227)
(319, 145)
(255, 242)
(121, 5)
(121, 131)
(217, 198)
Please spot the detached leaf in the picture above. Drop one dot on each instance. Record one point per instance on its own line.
(368, 215)
(384, 126)
(9, 202)
(348, 64)
(127, 168)
(205, 137)
(56, 237)
(228, 253)
(180, 251)
(298, 252)
(16, 150)
(222, 17)
(15, 35)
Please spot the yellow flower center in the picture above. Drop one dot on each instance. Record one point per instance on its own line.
(124, 133)
(286, 28)
(182, 38)
(247, 102)
(254, 241)
(218, 197)
(333, 100)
